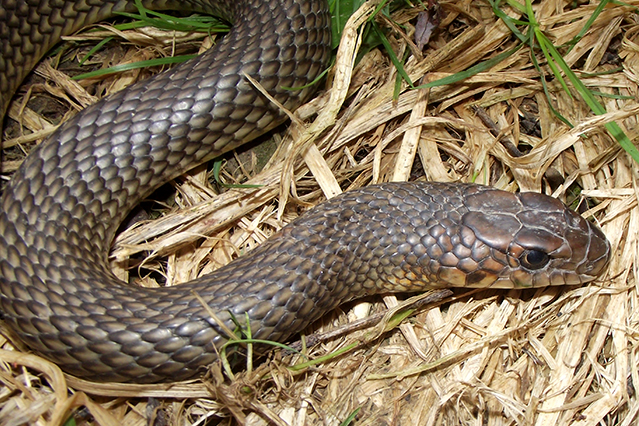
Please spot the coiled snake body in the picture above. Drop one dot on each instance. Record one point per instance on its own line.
(62, 208)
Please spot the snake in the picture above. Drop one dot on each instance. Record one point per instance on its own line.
(62, 208)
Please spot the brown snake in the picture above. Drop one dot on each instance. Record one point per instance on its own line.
(62, 208)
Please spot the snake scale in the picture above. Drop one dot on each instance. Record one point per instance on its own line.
(62, 208)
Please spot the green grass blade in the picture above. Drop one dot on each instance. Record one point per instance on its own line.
(389, 49)
(600, 7)
(341, 11)
(510, 22)
(95, 49)
(135, 65)
(516, 5)
(167, 22)
(599, 109)
(349, 420)
(558, 65)
(551, 53)
(476, 69)
(544, 85)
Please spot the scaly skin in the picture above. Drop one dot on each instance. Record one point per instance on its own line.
(62, 208)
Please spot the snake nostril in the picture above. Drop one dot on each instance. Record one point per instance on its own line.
(534, 259)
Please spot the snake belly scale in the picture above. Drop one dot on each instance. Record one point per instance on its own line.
(60, 212)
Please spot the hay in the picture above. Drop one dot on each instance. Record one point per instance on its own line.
(553, 356)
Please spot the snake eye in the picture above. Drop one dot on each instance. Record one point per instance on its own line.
(534, 259)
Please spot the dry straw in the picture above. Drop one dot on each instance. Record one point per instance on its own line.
(554, 356)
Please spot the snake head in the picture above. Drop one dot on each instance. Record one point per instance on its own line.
(530, 240)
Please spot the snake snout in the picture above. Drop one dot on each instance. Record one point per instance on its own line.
(581, 250)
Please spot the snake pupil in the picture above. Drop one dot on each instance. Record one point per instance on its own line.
(534, 259)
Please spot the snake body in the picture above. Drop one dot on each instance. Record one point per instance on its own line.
(60, 212)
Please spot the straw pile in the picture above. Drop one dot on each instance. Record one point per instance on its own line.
(552, 356)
